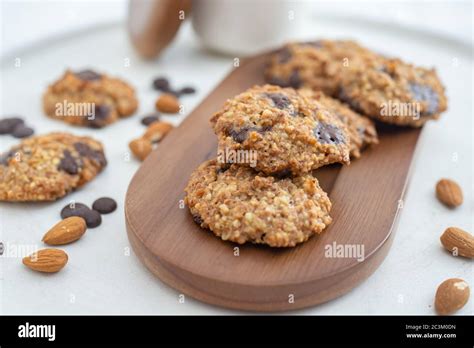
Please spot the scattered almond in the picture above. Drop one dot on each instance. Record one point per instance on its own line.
(46, 260)
(449, 193)
(167, 103)
(157, 131)
(141, 148)
(458, 241)
(66, 231)
(452, 295)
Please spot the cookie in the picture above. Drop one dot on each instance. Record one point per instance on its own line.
(89, 99)
(284, 132)
(362, 132)
(318, 65)
(47, 167)
(394, 92)
(241, 205)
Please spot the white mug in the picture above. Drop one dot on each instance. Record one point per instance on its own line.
(242, 27)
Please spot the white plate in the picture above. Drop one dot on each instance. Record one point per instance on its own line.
(103, 277)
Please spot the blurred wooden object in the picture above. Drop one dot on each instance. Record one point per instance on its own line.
(152, 24)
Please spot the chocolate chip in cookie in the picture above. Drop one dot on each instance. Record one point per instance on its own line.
(88, 75)
(424, 93)
(68, 163)
(329, 134)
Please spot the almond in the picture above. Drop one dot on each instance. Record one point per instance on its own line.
(452, 295)
(157, 131)
(46, 260)
(141, 148)
(167, 103)
(66, 231)
(458, 241)
(449, 193)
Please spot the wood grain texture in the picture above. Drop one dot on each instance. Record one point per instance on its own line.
(365, 198)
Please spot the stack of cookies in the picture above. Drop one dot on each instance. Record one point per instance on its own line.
(319, 108)
(260, 188)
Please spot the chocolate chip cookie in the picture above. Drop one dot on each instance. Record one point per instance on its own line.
(89, 99)
(362, 132)
(241, 205)
(47, 167)
(318, 65)
(286, 132)
(395, 92)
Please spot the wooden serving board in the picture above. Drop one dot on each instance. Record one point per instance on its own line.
(365, 198)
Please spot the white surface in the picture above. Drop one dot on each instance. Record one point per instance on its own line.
(102, 277)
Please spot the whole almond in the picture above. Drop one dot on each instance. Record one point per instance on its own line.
(157, 131)
(458, 241)
(46, 260)
(449, 193)
(167, 103)
(66, 231)
(452, 295)
(141, 148)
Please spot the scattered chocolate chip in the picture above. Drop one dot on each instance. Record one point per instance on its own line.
(88, 75)
(7, 125)
(187, 90)
(104, 205)
(147, 120)
(328, 134)
(92, 217)
(197, 219)
(22, 131)
(284, 55)
(99, 117)
(280, 100)
(294, 80)
(72, 209)
(86, 151)
(68, 163)
(424, 93)
(282, 174)
(161, 84)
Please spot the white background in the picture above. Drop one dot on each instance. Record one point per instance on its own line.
(101, 276)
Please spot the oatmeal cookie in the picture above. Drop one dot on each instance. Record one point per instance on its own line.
(241, 205)
(362, 132)
(287, 132)
(89, 99)
(318, 65)
(395, 92)
(47, 167)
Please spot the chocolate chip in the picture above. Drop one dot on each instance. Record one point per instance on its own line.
(197, 219)
(424, 93)
(282, 174)
(295, 80)
(86, 151)
(161, 84)
(280, 100)
(88, 75)
(187, 90)
(239, 135)
(104, 205)
(72, 209)
(7, 125)
(100, 115)
(223, 168)
(284, 55)
(328, 134)
(147, 120)
(5, 157)
(22, 131)
(68, 163)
